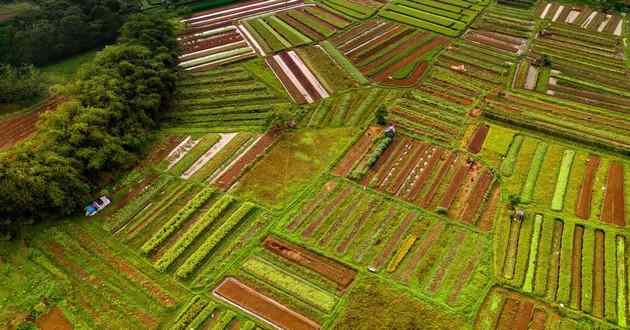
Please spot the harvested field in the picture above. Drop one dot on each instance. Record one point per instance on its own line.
(478, 138)
(614, 206)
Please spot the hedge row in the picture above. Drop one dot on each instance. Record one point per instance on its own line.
(294, 286)
(379, 146)
(532, 176)
(202, 252)
(193, 309)
(507, 166)
(177, 220)
(204, 222)
(224, 320)
(202, 316)
(563, 180)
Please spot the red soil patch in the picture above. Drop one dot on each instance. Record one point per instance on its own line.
(437, 182)
(299, 75)
(538, 320)
(393, 240)
(487, 217)
(301, 26)
(262, 306)
(330, 208)
(312, 205)
(478, 139)
(326, 267)
(478, 196)
(418, 184)
(403, 174)
(386, 75)
(509, 312)
(583, 205)
(390, 37)
(383, 161)
(286, 82)
(366, 37)
(353, 32)
(525, 312)
(343, 246)
(229, 177)
(613, 208)
(454, 186)
(53, 320)
(414, 39)
(357, 151)
(598, 276)
(22, 126)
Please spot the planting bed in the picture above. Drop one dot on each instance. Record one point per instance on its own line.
(200, 313)
(389, 53)
(18, 127)
(508, 26)
(559, 261)
(223, 100)
(297, 78)
(582, 17)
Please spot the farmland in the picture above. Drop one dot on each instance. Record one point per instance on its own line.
(349, 164)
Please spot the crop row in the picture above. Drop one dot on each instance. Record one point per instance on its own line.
(198, 313)
(515, 22)
(566, 263)
(583, 17)
(353, 8)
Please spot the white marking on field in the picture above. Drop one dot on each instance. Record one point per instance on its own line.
(553, 81)
(279, 10)
(532, 77)
(180, 151)
(397, 27)
(558, 12)
(363, 33)
(205, 158)
(619, 28)
(217, 57)
(250, 40)
(544, 13)
(238, 9)
(603, 24)
(212, 50)
(249, 13)
(212, 32)
(220, 173)
(588, 20)
(573, 15)
(293, 79)
(222, 61)
(309, 75)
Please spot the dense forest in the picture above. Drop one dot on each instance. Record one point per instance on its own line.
(113, 105)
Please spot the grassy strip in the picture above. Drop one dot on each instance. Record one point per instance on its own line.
(287, 31)
(222, 157)
(124, 215)
(201, 148)
(202, 316)
(500, 243)
(522, 256)
(543, 80)
(544, 252)
(249, 325)
(528, 286)
(224, 320)
(177, 220)
(536, 164)
(190, 312)
(563, 180)
(206, 220)
(588, 254)
(566, 255)
(189, 266)
(344, 62)
(313, 23)
(401, 253)
(290, 284)
(266, 35)
(621, 283)
(610, 280)
(378, 147)
(507, 166)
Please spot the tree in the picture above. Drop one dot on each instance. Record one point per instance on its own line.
(381, 115)
(19, 84)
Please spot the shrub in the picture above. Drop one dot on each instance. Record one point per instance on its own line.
(202, 252)
(177, 220)
(206, 220)
(20, 83)
(378, 147)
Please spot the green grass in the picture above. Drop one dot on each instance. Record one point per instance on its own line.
(622, 298)
(197, 151)
(544, 253)
(344, 62)
(533, 254)
(65, 70)
(610, 279)
(296, 287)
(588, 250)
(507, 166)
(496, 144)
(534, 170)
(563, 180)
(566, 254)
(297, 158)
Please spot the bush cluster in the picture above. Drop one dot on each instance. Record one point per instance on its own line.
(114, 105)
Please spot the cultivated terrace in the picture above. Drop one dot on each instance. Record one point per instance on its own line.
(327, 164)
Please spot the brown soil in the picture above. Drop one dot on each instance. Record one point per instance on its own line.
(417, 186)
(598, 276)
(525, 313)
(418, 53)
(398, 160)
(299, 75)
(432, 235)
(403, 174)
(414, 39)
(613, 209)
(478, 139)
(339, 221)
(286, 82)
(486, 40)
(583, 205)
(576, 269)
(262, 306)
(20, 127)
(381, 42)
(538, 320)
(554, 262)
(509, 313)
(393, 240)
(476, 112)
(197, 44)
(367, 37)
(358, 225)
(330, 208)
(410, 80)
(437, 182)
(353, 32)
(301, 27)
(382, 164)
(53, 320)
(478, 196)
(311, 205)
(453, 188)
(487, 217)
(357, 151)
(326, 267)
(229, 177)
